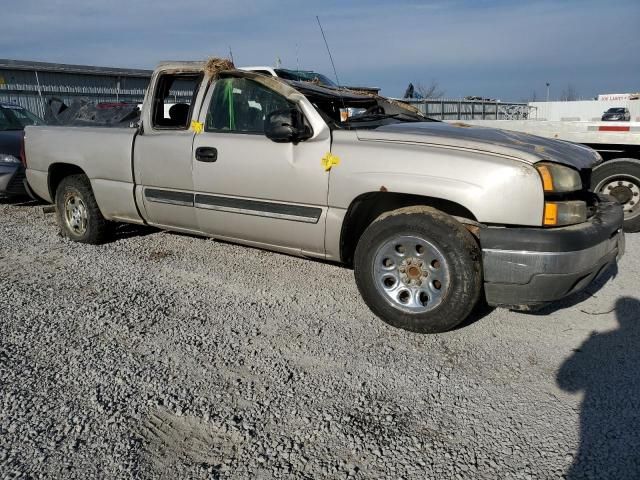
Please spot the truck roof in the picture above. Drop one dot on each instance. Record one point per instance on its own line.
(298, 85)
(175, 64)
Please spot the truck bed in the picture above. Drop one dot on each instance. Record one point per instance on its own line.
(103, 154)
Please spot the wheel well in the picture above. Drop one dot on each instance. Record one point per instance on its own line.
(369, 206)
(59, 171)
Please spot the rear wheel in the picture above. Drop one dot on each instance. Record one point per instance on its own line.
(621, 179)
(77, 212)
(418, 269)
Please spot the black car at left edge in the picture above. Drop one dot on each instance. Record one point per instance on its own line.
(13, 119)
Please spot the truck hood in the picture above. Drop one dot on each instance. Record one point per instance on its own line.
(528, 148)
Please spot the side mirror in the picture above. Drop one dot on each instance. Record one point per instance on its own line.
(286, 126)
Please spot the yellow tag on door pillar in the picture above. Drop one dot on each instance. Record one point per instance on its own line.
(329, 160)
(197, 127)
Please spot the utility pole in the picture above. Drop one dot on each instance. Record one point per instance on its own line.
(548, 91)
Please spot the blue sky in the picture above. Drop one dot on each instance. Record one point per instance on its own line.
(494, 48)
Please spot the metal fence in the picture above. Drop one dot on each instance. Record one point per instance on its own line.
(453, 109)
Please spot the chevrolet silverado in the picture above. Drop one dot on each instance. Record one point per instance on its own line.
(433, 217)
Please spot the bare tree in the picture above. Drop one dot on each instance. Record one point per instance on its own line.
(569, 94)
(429, 91)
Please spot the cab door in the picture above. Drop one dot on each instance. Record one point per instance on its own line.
(249, 188)
(162, 151)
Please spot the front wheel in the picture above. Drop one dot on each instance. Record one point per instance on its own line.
(418, 269)
(77, 212)
(621, 179)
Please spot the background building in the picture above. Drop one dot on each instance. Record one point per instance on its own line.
(30, 84)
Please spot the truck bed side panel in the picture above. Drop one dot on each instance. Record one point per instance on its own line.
(103, 154)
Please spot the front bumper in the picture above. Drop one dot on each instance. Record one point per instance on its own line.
(12, 177)
(529, 267)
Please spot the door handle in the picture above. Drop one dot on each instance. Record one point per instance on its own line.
(206, 154)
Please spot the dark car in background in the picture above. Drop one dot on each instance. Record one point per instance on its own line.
(13, 119)
(616, 114)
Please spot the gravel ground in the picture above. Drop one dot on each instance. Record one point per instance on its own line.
(165, 355)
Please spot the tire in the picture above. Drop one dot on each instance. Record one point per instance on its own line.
(621, 178)
(77, 212)
(432, 283)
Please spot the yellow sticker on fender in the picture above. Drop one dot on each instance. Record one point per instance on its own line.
(197, 127)
(329, 160)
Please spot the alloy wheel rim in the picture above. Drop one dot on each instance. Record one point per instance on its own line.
(75, 214)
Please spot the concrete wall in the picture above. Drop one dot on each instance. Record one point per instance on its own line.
(584, 110)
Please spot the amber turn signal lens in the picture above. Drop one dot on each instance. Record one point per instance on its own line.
(550, 213)
(547, 179)
(568, 212)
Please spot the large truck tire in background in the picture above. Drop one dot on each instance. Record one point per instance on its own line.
(620, 177)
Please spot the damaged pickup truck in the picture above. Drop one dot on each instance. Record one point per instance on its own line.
(433, 217)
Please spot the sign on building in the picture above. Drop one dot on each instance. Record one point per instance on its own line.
(619, 96)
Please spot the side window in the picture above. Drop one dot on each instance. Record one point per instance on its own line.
(241, 105)
(174, 96)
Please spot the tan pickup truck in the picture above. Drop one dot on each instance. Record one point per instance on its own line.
(432, 216)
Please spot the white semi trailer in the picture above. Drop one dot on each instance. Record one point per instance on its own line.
(617, 142)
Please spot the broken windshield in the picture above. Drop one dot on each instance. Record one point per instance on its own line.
(348, 109)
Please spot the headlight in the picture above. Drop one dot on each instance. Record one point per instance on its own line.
(557, 178)
(564, 213)
(4, 158)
